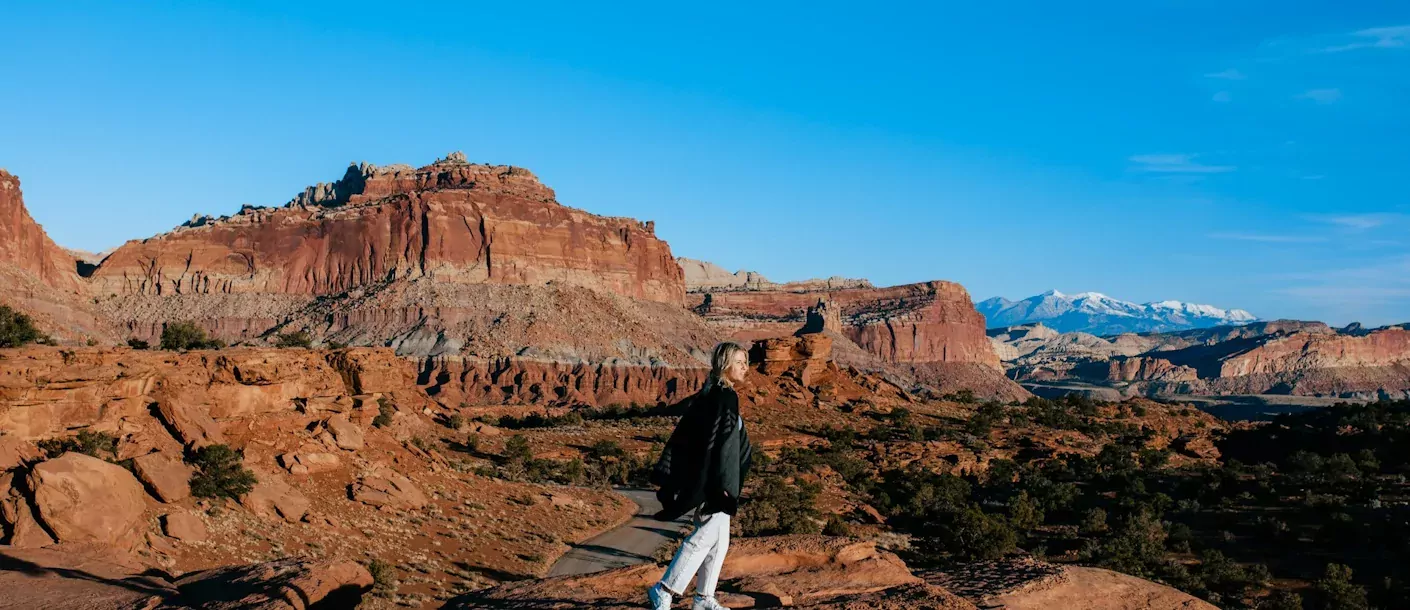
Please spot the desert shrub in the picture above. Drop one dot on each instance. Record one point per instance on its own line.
(385, 411)
(777, 507)
(836, 526)
(384, 580)
(1335, 591)
(1024, 513)
(220, 472)
(90, 443)
(423, 444)
(16, 329)
(136, 343)
(455, 421)
(179, 336)
(974, 534)
(517, 449)
(300, 338)
(1281, 600)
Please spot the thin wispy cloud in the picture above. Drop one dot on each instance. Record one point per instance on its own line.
(1222, 97)
(1374, 38)
(1320, 96)
(1269, 238)
(1377, 282)
(1356, 222)
(1230, 74)
(1176, 164)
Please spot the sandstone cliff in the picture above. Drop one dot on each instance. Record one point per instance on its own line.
(451, 221)
(38, 277)
(704, 276)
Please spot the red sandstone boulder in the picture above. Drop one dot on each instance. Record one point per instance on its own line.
(166, 476)
(15, 452)
(84, 499)
(273, 496)
(385, 487)
(184, 526)
(190, 422)
(346, 434)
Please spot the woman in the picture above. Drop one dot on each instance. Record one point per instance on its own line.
(701, 469)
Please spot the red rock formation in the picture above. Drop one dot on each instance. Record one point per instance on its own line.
(1148, 369)
(25, 246)
(1304, 351)
(38, 277)
(805, 356)
(451, 221)
(475, 381)
(913, 323)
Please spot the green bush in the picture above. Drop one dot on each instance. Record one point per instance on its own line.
(455, 421)
(180, 336)
(136, 343)
(220, 472)
(776, 507)
(516, 449)
(836, 527)
(1335, 591)
(17, 329)
(300, 338)
(974, 534)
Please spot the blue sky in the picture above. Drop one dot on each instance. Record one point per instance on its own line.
(1241, 154)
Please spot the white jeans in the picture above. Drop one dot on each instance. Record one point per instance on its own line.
(701, 555)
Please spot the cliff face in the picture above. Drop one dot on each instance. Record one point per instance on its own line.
(25, 247)
(1304, 351)
(450, 221)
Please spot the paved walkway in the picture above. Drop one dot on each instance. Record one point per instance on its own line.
(630, 544)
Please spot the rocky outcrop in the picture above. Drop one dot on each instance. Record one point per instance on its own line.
(451, 221)
(285, 584)
(385, 487)
(804, 357)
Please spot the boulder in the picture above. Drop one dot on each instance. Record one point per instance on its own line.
(84, 499)
(386, 487)
(192, 424)
(184, 526)
(168, 478)
(346, 434)
(273, 496)
(309, 460)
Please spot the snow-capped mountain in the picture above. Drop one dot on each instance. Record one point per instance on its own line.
(1099, 314)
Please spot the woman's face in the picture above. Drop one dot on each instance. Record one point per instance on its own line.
(738, 365)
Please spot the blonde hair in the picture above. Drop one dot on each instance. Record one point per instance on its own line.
(724, 353)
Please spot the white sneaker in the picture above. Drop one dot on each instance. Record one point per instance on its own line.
(707, 603)
(658, 597)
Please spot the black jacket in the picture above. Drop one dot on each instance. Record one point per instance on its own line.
(706, 458)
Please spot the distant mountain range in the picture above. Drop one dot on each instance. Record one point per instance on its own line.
(1099, 314)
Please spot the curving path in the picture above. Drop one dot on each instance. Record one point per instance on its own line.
(632, 543)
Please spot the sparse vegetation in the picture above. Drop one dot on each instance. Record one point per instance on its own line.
(384, 580)
(181, 336)
(220, 473)
(385, 411)
(301, 338)
(136, 343)
(456, 421)
(17, 329)
(94, 444)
